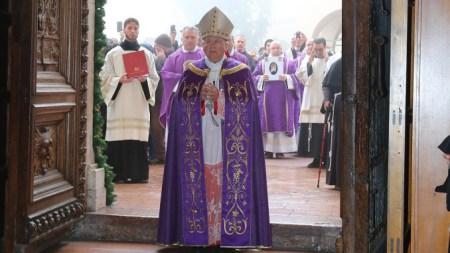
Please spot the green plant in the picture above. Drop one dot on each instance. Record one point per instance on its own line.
(98, 140)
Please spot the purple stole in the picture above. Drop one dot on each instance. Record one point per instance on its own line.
(245, 212)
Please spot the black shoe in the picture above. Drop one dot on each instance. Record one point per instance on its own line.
(443, 187)
(279, 155)
(314, 164)
(153, 161)
(136, 181)
(227, 250)
(119, 181)
(269, 155)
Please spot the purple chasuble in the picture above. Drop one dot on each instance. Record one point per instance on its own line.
(245, 211)
(279, 107)
(239, 57)
(171, 73)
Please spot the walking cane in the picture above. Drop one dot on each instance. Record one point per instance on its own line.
(323, 144)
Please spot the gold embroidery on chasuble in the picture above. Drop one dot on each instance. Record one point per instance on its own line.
(235, 221)
(198, 71)
(233, 70)
(196, 222)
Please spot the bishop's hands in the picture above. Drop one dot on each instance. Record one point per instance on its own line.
(209, 92)
(124, 79)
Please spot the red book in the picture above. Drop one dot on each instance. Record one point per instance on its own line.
(135, 64)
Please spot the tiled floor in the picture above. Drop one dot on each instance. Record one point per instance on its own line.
(293, 195)
(105, 247)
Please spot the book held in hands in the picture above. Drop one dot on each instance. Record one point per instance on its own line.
(135, 64)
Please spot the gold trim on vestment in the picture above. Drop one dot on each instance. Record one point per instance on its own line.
(233, 70)
(194, 221)
(235, 221)
(197, 70)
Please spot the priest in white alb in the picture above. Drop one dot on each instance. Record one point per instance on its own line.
(128, 116)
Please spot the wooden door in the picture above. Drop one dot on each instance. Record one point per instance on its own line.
(364, 159)
(47, 121)
(431, 124)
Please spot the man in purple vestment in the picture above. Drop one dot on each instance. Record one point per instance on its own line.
(175, 65)
(233, 53)
(277, 103)
(214, 189)
(240, 43)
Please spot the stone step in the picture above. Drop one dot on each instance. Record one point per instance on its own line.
(312, 237)
(117, 247)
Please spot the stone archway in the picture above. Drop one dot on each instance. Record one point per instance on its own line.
(330, 28)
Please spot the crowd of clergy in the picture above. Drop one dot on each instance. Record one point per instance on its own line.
(298, 94)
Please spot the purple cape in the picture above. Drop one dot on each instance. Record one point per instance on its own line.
(239, 57)
(279, 107)
(171, 73)
(245, 211)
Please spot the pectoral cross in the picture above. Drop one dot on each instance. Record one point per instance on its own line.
(212, 107)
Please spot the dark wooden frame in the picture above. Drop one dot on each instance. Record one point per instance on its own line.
(355, 71)
(358, 38)
(364, 129)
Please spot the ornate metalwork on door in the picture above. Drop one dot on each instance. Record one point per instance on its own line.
(379, 123)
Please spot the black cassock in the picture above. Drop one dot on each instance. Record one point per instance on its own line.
(445, 187)
(332, 85)
(129, 157)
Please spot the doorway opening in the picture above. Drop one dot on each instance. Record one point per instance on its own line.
(293, 194)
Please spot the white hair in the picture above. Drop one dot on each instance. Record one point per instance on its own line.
(192, 29)
(276, 42)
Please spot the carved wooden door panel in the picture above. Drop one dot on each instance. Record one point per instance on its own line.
(52, 121)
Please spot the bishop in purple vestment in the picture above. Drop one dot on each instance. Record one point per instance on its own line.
(214, 188)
